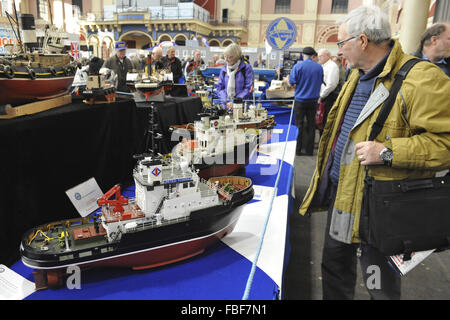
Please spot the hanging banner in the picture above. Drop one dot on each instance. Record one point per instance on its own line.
(281, 33)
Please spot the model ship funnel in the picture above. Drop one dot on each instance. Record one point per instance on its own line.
(29, 32)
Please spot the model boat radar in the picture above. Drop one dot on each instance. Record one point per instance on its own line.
(174, 216)
(31, 72)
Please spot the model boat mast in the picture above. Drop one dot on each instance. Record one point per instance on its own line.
(15, 20)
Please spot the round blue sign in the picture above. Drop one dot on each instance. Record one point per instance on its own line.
(281, 33)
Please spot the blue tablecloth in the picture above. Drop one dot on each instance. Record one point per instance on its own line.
(266, 74)
(220, 273)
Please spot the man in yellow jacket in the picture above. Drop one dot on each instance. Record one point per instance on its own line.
(414, 143)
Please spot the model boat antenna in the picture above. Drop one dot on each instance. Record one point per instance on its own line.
(50, 12)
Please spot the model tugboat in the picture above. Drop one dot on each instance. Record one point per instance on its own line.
(280, 90)
(151, 83)
(218, 147)
(29, 73)
(253, 120)
(175, 216)
(100, 84)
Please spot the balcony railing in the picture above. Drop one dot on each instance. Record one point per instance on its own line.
(167, 10)
(243, 21)
(164, 15)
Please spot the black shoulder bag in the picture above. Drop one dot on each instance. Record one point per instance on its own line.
(404, 216)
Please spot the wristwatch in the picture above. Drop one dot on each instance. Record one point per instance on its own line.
(386, 155)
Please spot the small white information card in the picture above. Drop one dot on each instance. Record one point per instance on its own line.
(13, 286)
(84, 196)
(262, 192)
(266, 160)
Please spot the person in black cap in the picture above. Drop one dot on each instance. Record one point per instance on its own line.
(307, 77)
(121, 65)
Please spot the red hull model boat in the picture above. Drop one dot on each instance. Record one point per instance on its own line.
(175, 215)
(29, 73)
(18, 90)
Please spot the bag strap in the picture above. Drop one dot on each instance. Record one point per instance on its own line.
(387, 106)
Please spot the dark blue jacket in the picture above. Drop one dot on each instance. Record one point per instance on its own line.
(307, 76)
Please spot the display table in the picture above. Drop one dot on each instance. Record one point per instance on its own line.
(221, 272)
(47, 153)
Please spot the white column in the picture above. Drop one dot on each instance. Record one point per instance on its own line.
(414, 22)
(309, 29)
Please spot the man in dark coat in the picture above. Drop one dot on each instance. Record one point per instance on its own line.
(121, 65)
(173, 64)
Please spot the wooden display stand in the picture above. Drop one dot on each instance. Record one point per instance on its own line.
(101, 100)
(38, 106)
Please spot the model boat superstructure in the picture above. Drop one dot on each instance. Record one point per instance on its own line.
(151, 83)
(239, 123)
(100, 87)
(216, 141)
(253, 117)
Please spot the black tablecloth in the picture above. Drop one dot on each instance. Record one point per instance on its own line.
(45, 154)
(175, 110)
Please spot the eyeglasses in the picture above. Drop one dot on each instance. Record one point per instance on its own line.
(340, 44)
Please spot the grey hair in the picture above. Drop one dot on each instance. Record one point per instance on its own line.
(155, 49)
(233, 51)
(325, 51)
(368, 20)
(433, 31)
